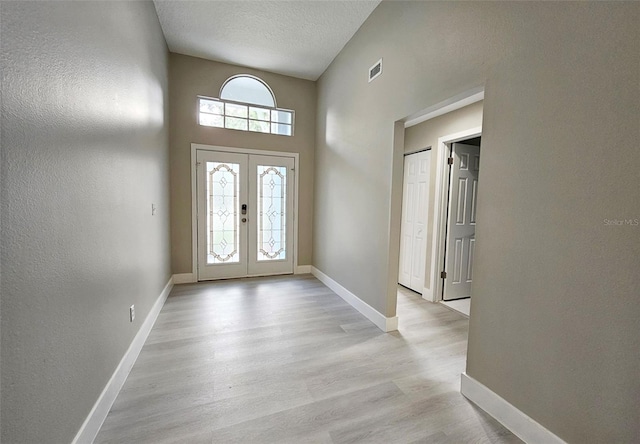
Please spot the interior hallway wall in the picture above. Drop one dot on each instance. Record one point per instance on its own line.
(554, 320)
(192, 77)
(426, 134)
(84, 156)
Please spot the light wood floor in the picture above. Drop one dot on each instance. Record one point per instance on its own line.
(460, 305)
(285, 360)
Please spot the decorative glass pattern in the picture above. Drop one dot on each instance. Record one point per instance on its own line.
(272, 198)
(231, 115)
(223, 209)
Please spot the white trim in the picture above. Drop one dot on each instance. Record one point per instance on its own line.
(296, 204)
(382, 322)
(184, 278)
(228, 149)
(193, 168)
(194, 209)
(302, 269)
(515, 420)
(439, 214)
(453, 103)
(91, 426)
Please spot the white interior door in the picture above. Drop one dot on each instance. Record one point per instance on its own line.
(245, 215)
(413, 231)
(461, 228)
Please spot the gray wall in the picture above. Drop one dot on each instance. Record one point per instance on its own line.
(554, 320)
(191, 77)
(426, 134)
(84, 155)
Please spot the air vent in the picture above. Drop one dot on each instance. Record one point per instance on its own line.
(375, 70)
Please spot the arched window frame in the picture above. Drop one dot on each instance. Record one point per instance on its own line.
(245, 116)
(257, 79)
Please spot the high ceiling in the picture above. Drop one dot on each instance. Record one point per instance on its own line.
(296, 38)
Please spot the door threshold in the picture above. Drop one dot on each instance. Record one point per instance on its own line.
(288, 273)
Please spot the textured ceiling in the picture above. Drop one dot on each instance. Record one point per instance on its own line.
(296, 38)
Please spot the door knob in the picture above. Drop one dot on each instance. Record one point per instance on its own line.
(244, 219)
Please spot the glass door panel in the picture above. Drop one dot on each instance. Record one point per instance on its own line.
(223, 211)
(222, 188)
(272, 212)
(271, 197)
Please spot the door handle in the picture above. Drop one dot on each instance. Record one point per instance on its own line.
(244, 210)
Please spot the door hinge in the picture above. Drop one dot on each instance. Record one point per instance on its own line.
(450, 160)
(443, 274)
(198, 164)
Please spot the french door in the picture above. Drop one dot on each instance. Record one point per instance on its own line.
(245, 214)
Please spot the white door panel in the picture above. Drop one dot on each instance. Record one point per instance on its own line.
(415, 206)
(461, 228)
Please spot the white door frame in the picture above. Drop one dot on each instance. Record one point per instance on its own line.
(440, 210)
(194, 198)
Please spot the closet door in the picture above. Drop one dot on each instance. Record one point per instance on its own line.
(413, 233)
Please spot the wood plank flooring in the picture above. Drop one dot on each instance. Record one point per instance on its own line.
(285, 360)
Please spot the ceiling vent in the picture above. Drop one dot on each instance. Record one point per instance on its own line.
(375, 70)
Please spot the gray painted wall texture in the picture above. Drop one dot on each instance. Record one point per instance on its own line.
(556, 307)
(191, 77)
(84, 155)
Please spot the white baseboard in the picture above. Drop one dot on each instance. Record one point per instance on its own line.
(184, 278)
(384, 323)
(302, 269)
(519, 423)
(100, 410)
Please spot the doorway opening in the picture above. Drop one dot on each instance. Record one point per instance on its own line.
(463, 163)
(432, 130)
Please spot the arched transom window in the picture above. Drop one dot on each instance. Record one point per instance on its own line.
(246, 103)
